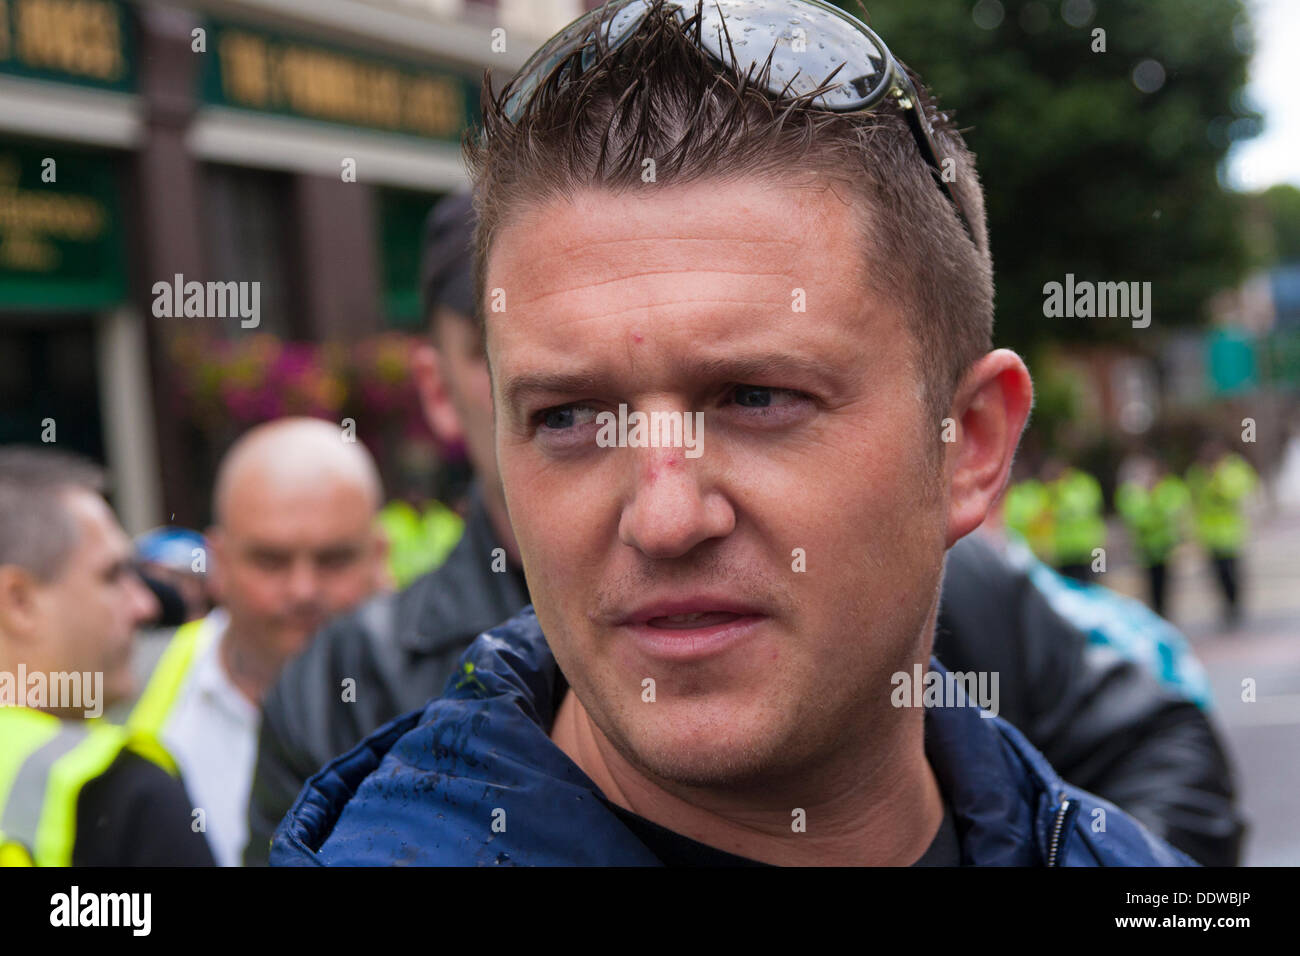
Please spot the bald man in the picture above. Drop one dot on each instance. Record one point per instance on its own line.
(294, 541)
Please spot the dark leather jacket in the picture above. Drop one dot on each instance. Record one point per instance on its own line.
(1106, 724)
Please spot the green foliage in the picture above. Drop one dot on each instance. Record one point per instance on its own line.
(1058, 399)
(1279, 209)
(1083, 172)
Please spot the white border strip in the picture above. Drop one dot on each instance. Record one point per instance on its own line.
(67, 112)
(465, 41)
(224, 135)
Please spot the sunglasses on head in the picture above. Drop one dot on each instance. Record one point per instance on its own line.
(798, 46)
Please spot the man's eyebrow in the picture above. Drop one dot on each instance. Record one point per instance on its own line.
(117, 564)
(259, 550)
(744, 368)
(732, 368)
(516, 389)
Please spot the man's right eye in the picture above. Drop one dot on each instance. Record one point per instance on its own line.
(266, 561)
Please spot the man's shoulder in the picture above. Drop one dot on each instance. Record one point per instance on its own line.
(341, 642)
(353, 643)
(135, 813)
(352, 677)
(472, 779)
(1074, 827)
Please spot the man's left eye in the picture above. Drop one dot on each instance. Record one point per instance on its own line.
(566, 416)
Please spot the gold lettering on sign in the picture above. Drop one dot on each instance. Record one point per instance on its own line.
(28, 254)
(76, 218)
(333, 87)
(244, 69)
(82, 37)
(31, 221)
(433, 106)
(323, 84)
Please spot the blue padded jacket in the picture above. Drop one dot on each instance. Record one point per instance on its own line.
(426, 788)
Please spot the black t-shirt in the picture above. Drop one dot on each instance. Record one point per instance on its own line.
(673, 849)
(135, 814)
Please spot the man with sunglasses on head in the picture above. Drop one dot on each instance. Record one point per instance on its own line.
(748, 214)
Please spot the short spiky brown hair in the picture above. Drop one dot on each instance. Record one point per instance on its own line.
(658, 95)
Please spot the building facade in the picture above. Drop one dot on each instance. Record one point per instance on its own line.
(294, 144)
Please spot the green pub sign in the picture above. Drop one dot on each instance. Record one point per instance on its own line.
(252, 69)
(60, 246)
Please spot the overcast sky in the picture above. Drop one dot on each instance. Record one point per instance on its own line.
(1273, 156)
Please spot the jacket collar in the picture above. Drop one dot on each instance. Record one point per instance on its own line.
(464, 596)
(1000, 790)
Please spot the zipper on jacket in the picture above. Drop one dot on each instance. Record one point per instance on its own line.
(1057, 825)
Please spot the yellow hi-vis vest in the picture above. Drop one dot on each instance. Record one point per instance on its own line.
(45, 762)
(164, 686)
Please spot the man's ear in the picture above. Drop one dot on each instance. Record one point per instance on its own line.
(435, 400)
(19, 609)
(990, 408)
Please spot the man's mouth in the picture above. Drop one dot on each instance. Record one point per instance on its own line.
(304, 624)
(691, 628)
(693, 620)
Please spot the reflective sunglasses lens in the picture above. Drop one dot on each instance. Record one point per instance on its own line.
(577, 35)
(811, 40)
(808, 41)
(620, 26)
(544, 60)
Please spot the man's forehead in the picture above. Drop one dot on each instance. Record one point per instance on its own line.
(789, 233)
(745, 263)
(298, 537)
(99, 537)
(719, 210)
(301, 514)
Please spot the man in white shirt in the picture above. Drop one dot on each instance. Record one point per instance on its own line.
(294, 542)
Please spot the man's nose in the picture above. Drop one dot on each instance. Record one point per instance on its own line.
(144, 606)
(672, 508)
(303, 580)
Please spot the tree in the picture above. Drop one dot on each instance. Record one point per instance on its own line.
(1084, 171)
(1278, 210)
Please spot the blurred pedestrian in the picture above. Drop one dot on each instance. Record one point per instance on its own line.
(294, 542)
(1027, 510)
(1220, 483)
(1154, 505)
(74, 789)
(418, 540)
(1078, 528)
(175, 559)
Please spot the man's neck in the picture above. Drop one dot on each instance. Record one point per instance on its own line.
(252, 676)
(884, 813)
